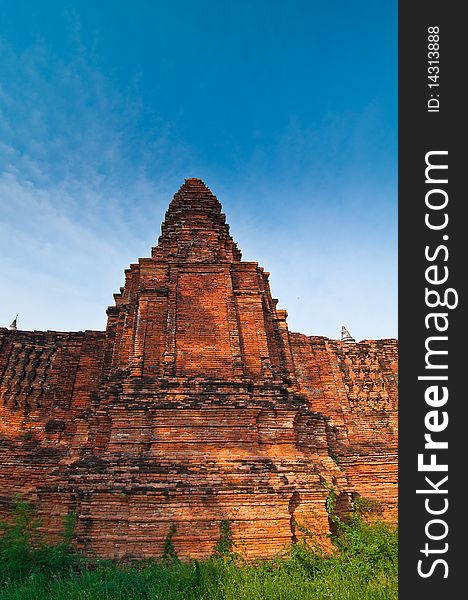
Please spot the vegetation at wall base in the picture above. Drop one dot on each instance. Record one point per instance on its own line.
(364, 567)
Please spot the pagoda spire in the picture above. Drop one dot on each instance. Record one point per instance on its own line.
(194, 228)
(345, 335)
(14, 324)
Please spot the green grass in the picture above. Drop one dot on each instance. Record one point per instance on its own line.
(364, 567)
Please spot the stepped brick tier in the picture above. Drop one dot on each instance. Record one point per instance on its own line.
(196, 405)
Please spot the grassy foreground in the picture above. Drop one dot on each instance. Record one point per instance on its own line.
(364, 567)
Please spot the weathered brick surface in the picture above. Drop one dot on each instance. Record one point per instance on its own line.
(196, 405)
(355, 385)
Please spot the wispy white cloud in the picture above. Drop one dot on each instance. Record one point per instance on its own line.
(75, 206)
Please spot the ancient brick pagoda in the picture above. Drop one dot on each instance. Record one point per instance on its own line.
(196, 405)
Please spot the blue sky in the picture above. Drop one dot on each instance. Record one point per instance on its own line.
(287, 111)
